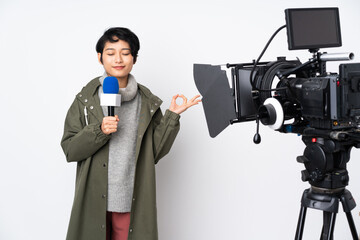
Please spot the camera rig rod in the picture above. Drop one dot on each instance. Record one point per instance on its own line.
(325, 57)
(318, 58)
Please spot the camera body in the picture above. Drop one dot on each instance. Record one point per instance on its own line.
(311, 96)
(329, 101)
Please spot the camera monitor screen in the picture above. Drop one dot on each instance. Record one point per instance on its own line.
(313, 28)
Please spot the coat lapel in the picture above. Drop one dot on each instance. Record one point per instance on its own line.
(90, 98)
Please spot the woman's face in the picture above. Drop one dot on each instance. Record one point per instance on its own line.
(117, 60)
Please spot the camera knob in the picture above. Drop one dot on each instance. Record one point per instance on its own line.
(345, 180)
(302, 159)
(316, 175)
(305, 175)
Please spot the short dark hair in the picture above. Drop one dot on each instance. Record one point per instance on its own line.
(118, 33)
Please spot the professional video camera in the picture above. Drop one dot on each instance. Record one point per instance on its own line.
(294, 97)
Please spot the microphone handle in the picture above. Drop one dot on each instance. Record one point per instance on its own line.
(111, 111)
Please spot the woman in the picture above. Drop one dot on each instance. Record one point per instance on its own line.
(116, 156)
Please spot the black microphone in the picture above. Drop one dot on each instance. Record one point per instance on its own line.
(110, 98)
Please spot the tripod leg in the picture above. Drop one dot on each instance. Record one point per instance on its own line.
(348, 204)
(328, 226)
(301, 223)
(352, 225)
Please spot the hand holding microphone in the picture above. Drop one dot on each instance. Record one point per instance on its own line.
(109, 124)
(111, 99)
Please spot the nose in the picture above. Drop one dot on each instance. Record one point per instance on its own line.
(118, 58)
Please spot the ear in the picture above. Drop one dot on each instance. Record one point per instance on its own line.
(99, 58)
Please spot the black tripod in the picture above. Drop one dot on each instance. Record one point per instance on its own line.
(329, 203)
(325, 162)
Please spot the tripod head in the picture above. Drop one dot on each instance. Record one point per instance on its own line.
(326, 156)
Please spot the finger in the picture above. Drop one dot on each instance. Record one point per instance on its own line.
(108, 126)
(111, 124)
(184, 99)
(107, 131)
(193, 99)
(109, 119)
(194, 103)
(173, 101)
(111, 129)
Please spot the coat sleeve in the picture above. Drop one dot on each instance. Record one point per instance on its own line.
(81, 141)
(165, 131)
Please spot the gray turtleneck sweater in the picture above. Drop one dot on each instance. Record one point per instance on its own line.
(121, 168)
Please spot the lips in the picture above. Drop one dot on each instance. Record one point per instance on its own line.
(119, 67)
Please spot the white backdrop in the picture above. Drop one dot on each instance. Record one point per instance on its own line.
(221, 188)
